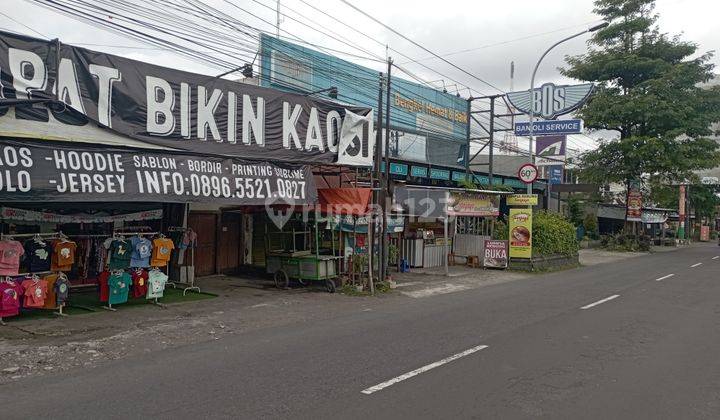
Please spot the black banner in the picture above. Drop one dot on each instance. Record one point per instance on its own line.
(35, 172)
(49, 82)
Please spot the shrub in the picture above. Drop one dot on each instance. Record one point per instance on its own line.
(500, 232)
(553, 234)
(591, 226)
(626, 242)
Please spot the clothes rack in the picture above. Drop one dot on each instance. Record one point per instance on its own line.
(191, 284)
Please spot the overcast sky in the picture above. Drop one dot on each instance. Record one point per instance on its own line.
(498, 31)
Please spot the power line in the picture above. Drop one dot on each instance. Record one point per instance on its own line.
(419, 45)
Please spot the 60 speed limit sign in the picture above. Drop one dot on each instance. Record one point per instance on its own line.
(528, 173)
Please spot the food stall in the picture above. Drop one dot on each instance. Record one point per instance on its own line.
(444, 220)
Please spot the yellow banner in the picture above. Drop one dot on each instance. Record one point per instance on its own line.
(520, 233)
(522, 200)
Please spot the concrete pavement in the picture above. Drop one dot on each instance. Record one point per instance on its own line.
(650, 352)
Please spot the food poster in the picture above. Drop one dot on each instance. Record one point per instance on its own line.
(520, 233)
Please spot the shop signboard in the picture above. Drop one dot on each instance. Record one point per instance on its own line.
(430, 125)
(704, 233)
(555, 175)
(473, 204)
(634, 202)
(550, 100)
(549, 127)
(522, 200)
(495, 253)
(419, 171)
(171, 108)
(520, 233)
(439, 174)
(41, 171)
(550, 150)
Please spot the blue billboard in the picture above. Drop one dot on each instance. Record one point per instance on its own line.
(427, 124)
(549, 127)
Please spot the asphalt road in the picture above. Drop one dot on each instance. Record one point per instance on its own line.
(642, 349)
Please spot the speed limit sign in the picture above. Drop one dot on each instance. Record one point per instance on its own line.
(528, 173)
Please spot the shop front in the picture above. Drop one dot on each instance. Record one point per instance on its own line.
(444, 223)
(112, 186)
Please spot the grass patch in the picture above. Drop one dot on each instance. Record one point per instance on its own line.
(87, 302)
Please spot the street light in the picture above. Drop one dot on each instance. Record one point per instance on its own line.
(532, 85)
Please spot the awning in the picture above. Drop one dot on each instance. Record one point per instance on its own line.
(352, 201)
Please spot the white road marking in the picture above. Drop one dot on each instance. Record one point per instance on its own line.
(664, 277)
(418, 371)
(716, 257)
(600, 301)
(695, 265)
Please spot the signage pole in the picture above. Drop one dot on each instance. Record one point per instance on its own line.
(532, 85)
(467, 133)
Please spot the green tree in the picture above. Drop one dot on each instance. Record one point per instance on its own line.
(702, 199)
(647, 92)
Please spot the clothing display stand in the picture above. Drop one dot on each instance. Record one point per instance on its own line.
(109, 307)
(191, 283)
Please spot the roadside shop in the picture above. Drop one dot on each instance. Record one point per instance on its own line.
(97, 184)
(442, 224)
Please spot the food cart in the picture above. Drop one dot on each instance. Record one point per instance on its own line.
(293, 252)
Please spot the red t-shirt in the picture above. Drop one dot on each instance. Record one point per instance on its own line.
(35, 293)
(10, 293)
(139, 283)
(103, 285)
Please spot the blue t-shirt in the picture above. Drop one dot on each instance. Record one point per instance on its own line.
(141, 251)
(118, 286)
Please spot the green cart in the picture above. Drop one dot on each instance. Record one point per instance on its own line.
(294, 253)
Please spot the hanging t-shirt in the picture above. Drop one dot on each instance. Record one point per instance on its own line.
(162, 248)
(50, 298)
(62, 290)
(118, 286)
(63, 255)
(103, 285)
(37, 255)
(120, 254)
(10, 293)
(139, 283)
(10, 253)
(141, 252)
(156, 284)
(35, 292)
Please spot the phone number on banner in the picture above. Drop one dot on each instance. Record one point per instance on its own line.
(196, 185)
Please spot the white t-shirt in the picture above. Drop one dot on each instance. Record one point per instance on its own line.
(156, 284)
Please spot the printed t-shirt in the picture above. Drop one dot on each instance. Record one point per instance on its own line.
(10, 293)
(63, 255)
(156, 284)
(141, 252)
(62, 290)
(103, 285)
(65, 251)
(118, 285)
(162, 247)
(50, 298)
(120, 253)
(37, 255)
(35, 292)
(10, 253)
(139, 283)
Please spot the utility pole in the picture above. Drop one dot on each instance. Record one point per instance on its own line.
(277, 19)
(467, 134)
(385, 191)
(491, 140)
(375, 183)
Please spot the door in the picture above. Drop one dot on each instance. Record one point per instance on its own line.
(229, 243)
(205, 225)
